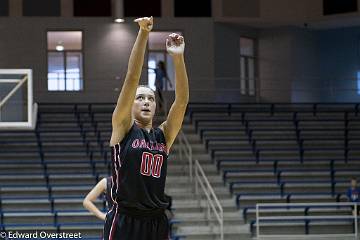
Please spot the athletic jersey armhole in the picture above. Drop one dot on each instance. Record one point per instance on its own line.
(127, 135)
(108, 184)
(163, 135)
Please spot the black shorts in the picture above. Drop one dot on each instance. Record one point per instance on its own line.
(136, 225)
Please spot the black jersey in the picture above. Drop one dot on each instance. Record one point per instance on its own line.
(139, 170)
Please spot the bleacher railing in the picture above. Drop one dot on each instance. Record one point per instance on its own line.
(213, 202)
(353, 219)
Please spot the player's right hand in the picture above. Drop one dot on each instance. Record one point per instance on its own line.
(145, 23)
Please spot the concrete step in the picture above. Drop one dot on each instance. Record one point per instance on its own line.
(202, 222)
(194, 205)
(212, 232)
(193, 137)
(187, 128)
(176, 161)
(251, 176)
(187, 193)
(196, 148)
(205, 157)
(184, 181)
(256, 188)
(209, 168)
(186, 173)
(234, 215)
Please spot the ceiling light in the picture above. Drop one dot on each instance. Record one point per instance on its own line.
(118, 11)
(119, 20)
(59, 47)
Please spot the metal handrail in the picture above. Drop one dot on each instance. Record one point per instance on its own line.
(212, 200)
(305, 218)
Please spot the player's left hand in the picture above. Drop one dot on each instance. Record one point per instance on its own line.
(175, 44)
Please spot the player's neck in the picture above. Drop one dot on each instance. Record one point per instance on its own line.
(146, 126)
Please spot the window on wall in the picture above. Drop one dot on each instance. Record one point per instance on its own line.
(247, 66)
(198, 8)
(92, 8)
(157, 53)
(148, 8)
(4, 7)
(65, 61)
(32, 8)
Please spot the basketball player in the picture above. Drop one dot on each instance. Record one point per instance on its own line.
(102, 187)
(140, 151)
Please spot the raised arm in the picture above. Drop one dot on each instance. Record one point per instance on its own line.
(90, 198)
(121, 118)
(171, 127)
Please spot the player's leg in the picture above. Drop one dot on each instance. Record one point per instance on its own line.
(144, 228)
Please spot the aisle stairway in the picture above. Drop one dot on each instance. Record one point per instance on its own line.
(190, 214)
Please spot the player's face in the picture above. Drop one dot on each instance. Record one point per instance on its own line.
(144, 105)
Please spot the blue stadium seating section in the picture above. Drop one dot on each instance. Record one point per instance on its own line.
(282, 153)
